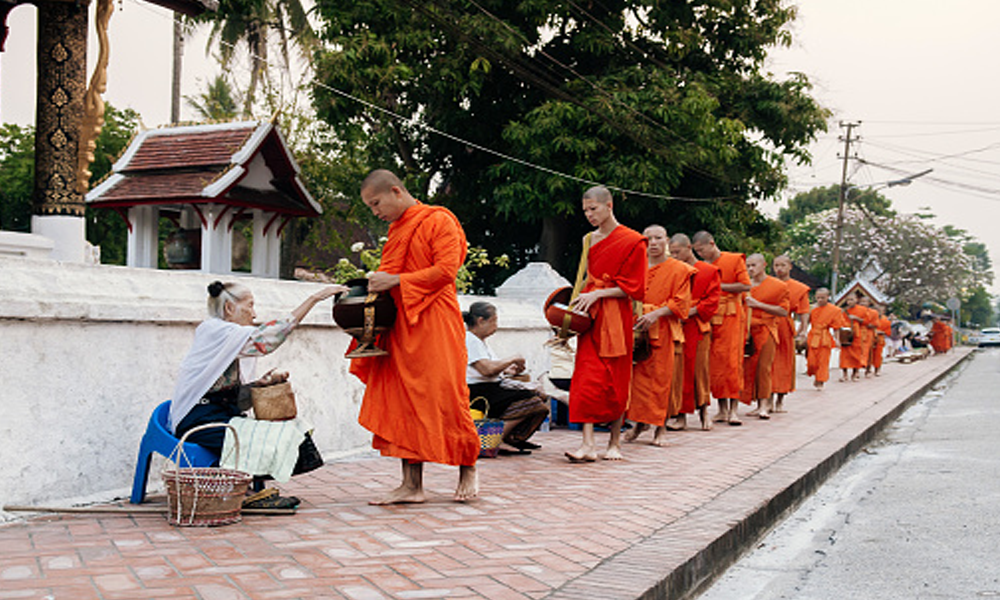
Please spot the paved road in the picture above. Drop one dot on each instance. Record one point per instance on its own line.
(915, 516)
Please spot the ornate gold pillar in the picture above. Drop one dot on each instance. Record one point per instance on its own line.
(62, 63)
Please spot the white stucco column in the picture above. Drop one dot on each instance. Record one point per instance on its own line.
(143, 239)
(69, 234)
(266, 258)
(216, 242)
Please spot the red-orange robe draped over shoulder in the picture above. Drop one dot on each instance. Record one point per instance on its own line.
(416, 402)
(854, 356)
(729, 329)
(668, 284)
(940, 336)
(783, 373)
(705, 293)
(764, 330)
(602, 373)
(820, 340)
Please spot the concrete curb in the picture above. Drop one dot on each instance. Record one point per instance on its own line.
(657, 569)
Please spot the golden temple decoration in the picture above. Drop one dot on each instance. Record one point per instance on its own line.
(93, 104)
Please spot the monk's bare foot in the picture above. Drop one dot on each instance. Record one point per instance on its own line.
(613, 453)
(678, 423)
(706, 422)
(855, 378)
(721, 417)
(632, 434)
(764, 415)
(401, 495)
(660, 437)
(468, 484)
(818, 385)
(734, 420)
(586, 454)
(753, 413)
(779, 408)
(843, 378)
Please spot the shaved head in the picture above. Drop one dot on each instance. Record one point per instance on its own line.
(703, 237)
(381, 181)
(680, 239)
(599, 193)
(655, 228)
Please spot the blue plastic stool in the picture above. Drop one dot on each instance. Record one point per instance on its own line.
(159, 439)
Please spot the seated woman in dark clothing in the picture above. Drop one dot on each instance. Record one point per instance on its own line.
(522, 409)
(221, 361)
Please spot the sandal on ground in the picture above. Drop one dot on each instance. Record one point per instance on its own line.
(273, 500)
(524, 445)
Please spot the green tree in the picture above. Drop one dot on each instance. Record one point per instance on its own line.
(977, 308)
(659, 98)
(819, 199)
(17, 175)
(217, 102)
(105, 228)
(256, 25)
(905, 256)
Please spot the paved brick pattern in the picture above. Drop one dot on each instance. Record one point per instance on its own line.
(543, 527)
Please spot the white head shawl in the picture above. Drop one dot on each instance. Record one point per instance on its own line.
(216, 345)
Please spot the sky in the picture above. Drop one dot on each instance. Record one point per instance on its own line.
(919, 75)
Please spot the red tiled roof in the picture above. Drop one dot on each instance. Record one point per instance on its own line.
(168, 150)
(160, 186)
(180, 165)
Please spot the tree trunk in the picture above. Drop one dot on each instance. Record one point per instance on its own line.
(552, 243)
(175, 81)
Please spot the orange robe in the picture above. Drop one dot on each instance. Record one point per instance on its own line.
(783, 375)
(729, 330)
(602, 373)
(820, 339)
(416, 401)
(705, 293)
(853, 357)
(871, 321)
(882, 331)
(764, 330)
(939, 337)
(667, 284)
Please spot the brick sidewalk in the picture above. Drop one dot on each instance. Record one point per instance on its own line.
(657, 525)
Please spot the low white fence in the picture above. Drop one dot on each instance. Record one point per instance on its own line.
(86, 353)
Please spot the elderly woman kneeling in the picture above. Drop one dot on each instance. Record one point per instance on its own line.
(212, 386)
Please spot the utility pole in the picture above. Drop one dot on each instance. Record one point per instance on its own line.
(835, 267)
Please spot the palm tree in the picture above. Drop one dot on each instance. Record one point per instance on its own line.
(251, 22)
(216, 103)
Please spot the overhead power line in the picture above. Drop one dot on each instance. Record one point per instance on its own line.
(414, 122)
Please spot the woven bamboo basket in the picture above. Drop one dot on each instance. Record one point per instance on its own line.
(203, 496)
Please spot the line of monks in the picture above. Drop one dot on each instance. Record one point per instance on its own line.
(716, 327)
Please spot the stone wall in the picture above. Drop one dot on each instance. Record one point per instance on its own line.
(87, 351)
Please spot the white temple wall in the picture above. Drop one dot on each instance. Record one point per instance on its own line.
(87, 351)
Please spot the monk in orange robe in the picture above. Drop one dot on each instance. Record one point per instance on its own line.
(657, 382)
(825, 320)
(883, 329)
(728, 326)
(767, 303)
(705, 291)
(416, 401)
(790, 329)
(852, 357)
(870, 326)
(602, 373)
(939, 336)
